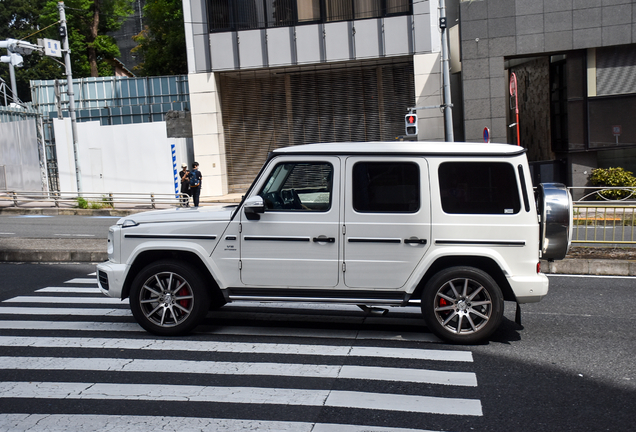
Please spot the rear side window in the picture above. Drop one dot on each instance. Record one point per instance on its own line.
(478, 188)
(386, 187)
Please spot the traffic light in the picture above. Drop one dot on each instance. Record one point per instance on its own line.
(410, 122)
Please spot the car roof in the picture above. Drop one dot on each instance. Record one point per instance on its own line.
(404, 147)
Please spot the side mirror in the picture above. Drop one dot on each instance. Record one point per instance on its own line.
(253, 206)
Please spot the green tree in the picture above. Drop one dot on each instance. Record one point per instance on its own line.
(19, 19)
(162, 42)
(88, 21)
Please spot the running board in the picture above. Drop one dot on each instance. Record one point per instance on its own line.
(317, 296)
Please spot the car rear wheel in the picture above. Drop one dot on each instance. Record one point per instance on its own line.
(462, 305)
(169, 298)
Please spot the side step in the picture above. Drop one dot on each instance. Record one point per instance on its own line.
(318, 296)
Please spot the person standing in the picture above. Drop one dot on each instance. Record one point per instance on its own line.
(195, 183)
(185, 185)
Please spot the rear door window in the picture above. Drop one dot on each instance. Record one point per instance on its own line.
(479, 188)
(386, 187)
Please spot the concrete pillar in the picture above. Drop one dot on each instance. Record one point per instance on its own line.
(428, 92)
(207, 133)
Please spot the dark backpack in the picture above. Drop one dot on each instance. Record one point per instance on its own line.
(194, 179)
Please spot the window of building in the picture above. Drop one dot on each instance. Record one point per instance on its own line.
(308, 10)
(386, 187)
(220, 14)
(299, 187)
(478, 188)
(228, 15)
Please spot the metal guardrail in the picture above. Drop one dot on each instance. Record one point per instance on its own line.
(91, 200)
(604, 215)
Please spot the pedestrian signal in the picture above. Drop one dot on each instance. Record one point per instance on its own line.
(410, 122)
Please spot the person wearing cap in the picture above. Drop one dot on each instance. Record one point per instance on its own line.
(195, 185)
(185, 185)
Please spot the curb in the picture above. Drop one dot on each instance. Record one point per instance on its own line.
(599, 267)
(56, 256)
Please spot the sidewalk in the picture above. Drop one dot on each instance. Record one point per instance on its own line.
(94, 250)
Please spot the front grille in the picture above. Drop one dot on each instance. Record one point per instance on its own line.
(103, 279)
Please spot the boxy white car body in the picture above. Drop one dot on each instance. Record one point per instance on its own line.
(365, 223)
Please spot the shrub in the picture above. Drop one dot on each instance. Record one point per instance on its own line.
(614, 177)
(82, 203)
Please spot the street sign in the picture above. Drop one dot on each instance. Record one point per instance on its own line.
(52, 47)
(486, 135)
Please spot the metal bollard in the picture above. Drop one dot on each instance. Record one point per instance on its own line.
(152, 199)
(15, 199)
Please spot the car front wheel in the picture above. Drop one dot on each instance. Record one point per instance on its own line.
(169, 298)
(462, 305)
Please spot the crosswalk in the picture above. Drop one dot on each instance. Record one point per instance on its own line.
(72, 359)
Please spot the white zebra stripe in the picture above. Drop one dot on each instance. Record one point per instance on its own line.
(242, 395)
(70, 300)
(237, 347)
(92, 281)
(8, 310)
(77, 290)
(99, 423)
(224, 330)
(421, 376)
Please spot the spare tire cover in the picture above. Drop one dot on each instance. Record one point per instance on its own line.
(555, 210)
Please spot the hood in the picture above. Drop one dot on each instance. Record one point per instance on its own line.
(182, 214)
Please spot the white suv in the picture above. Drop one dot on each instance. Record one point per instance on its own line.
(452, 228)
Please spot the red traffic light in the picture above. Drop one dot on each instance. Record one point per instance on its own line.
(411, 119)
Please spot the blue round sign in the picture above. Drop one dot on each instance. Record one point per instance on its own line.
(486, 135)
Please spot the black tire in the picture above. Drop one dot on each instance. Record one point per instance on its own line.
(169, 298)
(462, 305)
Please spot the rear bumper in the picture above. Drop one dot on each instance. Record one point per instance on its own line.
(529, 289)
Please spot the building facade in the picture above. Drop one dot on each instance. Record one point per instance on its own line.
(575, 67)
(264, 74)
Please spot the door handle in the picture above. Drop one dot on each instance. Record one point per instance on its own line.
(323, 239)
(415, 241)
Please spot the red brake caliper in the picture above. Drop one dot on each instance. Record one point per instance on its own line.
(442, 303)
(185, 302)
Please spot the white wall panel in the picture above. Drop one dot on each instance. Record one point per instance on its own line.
(309, 44)
(134, 158)
(425, 33)
(19, 155)
(338, 41)
(251, 47)
(397, 35)
(223, 51)
(368, 38)
(280, 44)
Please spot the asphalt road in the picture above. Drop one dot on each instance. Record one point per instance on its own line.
(41, 226)
(74, 357)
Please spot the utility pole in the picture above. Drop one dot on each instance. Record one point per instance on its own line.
(71, 95)
(448, 113)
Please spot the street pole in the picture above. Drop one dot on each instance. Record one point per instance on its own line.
(14, 87)
(70, 93)
(448, 114)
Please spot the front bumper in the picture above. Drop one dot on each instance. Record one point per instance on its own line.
(110, 278)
